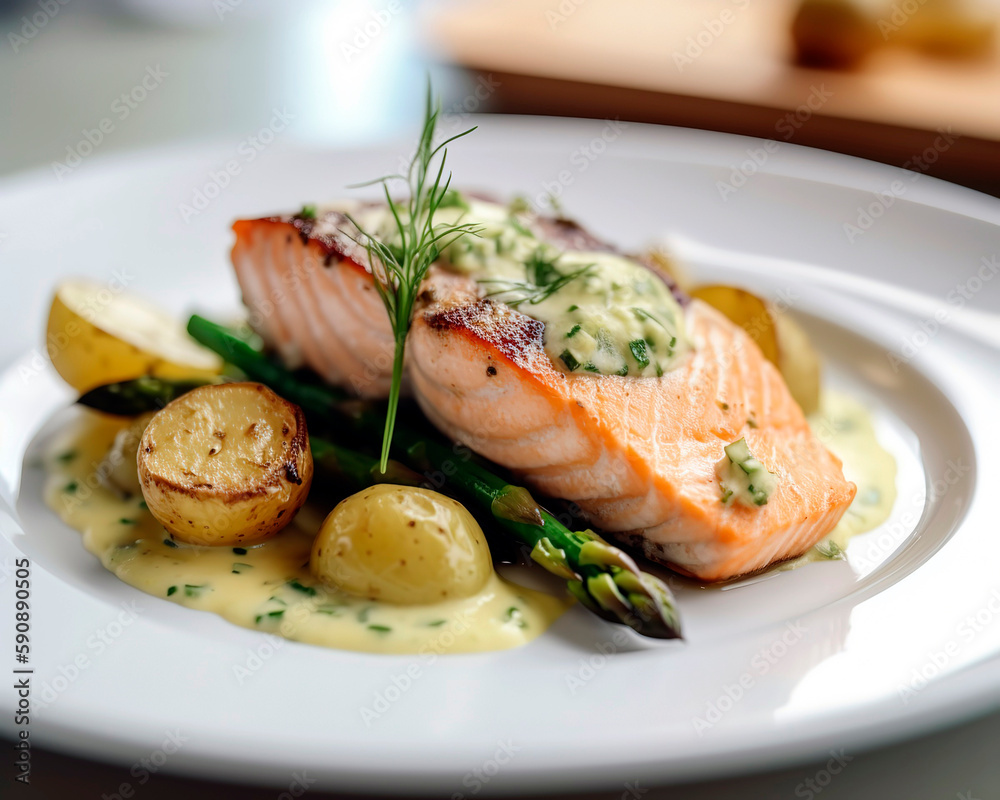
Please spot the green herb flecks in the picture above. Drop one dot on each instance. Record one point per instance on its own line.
(307, 212)
(238, 567)
(300, 587)
(830, 549)
(638, 348)
(194, 590)
(171, 590)
(240, 551)
(379, 628)
(66, 457)
(514, 615)
(399, 270)
(570, 361)
(167, 542)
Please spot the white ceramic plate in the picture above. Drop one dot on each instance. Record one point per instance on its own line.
(781, 668)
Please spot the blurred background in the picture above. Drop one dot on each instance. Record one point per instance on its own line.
(913, 83)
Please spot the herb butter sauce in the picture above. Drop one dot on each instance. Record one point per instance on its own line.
(845, 427)
(268, 587)
(603, 313)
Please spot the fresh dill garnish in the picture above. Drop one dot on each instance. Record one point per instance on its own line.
(541, 268)
(535, 293)
(307, 212)
(400, 267)
(573, 331)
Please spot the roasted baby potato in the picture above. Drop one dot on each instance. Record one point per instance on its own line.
(97, 336)
(780, 338)
(226, 464)
(402, 545)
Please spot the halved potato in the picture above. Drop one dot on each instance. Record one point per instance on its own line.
(402, 544)
(781, 339)
(97, 336)
(225, 464)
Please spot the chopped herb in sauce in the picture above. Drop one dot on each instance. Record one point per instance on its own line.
(71, 487)
(192, 590)
(379, 628)
(66, 457)
(569, 360)
(436, 623)
(299, 587)
(638, 348)
(830, 549)
(167, 542)
(240, 551)
(126, 521)
(171, 590)
(239, 567)
(513, 614)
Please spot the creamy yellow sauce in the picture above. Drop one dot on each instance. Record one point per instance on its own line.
(268, 587)
(845, 427)
(603, 313)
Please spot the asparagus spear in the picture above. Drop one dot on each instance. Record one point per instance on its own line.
(603, 578)
(130, 398)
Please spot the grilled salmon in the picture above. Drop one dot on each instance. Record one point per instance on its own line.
(640, 456)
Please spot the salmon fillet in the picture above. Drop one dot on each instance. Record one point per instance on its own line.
(638, 456)
(313, 302)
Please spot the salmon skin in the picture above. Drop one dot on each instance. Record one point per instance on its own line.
(639, 456)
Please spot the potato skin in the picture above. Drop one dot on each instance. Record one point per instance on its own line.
(403, 545)
(225, 464)
(95, 337)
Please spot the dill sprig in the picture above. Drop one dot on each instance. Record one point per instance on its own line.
(544, 279)
(400, 266)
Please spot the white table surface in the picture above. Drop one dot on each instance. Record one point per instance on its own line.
(224, 78)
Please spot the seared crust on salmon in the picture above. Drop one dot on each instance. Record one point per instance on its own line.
(637, 455)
